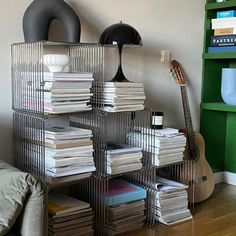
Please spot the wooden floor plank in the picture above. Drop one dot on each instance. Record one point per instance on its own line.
(214, 217)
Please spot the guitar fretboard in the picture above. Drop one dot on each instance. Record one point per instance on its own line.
(187, 116)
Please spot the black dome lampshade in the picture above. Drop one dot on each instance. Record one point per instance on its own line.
(120, 34)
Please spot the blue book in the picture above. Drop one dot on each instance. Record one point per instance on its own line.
(121, 191)
(222, 49)
(223, 40)
(225, 14)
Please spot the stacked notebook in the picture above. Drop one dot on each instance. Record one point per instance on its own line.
(123, 96)
(166, 147)
(224, 26)
(68, 216)
(171, 202)
(123, 158)
(126, 205)
(68, 151)
(67, 92)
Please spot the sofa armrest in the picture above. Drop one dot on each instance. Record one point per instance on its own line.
(23, 201)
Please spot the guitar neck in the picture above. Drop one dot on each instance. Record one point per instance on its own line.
(187, 116)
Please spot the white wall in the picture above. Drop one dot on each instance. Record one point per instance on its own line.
(176, 25)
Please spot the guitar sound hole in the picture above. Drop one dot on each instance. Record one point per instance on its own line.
(193, 154)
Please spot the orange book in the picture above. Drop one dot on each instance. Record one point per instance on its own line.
(224, 31)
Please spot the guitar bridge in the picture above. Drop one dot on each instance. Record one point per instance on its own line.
(198, 180)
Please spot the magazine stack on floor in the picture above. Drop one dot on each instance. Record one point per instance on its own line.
(67, 92)
(123, 158)
(69, 151)
(123, 96)
(68, 216)
(171, 202)
(166, 147)
(126, 206)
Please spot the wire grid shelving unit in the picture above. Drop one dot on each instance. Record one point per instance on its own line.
(30, 121)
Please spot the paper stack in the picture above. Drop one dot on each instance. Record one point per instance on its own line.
(164, 146)
(126, 206)
(171, 202)
(123, 158)
(68, 216)
(68, 151)
(123, 96)
(67, 92)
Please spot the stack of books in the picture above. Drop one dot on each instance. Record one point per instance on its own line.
(68, 216)
(69, 151)
(171, 202)
(123, 158)
(224, 38)
(67, 92)
(166, 147)
(123, 96)
(126, 206)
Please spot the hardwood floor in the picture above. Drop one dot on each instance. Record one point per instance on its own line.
(215, 217)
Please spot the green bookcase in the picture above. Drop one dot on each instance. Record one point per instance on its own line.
(218, 120)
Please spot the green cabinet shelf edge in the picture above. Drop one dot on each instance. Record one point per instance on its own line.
(218, 106)
(220, 5)
(223, 55)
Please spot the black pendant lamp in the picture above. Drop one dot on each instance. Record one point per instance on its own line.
(120, 34)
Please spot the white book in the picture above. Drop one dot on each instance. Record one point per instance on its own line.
(57, 85)
(67, 152)
(54, 163)
(112, 170)
(222, 20)
(56, 103)
(70, 171)
(80, 96)
(123, 84)
(119, 149)
(224, 25)
(120, 109)
(69, 108)
(66, 132)
(67, 91)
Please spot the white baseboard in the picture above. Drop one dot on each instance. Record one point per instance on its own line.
(225, 177)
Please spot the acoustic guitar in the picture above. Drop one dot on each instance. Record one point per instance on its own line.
(202, 184)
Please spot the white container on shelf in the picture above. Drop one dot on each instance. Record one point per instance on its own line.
(228, 85)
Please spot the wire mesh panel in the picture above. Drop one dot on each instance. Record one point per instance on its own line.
(114, 128)
(31, 152)
(146, 178)
(94, 191)
(29, 71)
(183, 172)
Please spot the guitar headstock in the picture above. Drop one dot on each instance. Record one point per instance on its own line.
(177, 72)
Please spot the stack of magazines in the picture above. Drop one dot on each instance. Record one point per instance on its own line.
(69, 151)
(171, 201)
(68, 216)
(123, 96)
(67, 92)
(126, 206)
(123, 158)
(164, 146)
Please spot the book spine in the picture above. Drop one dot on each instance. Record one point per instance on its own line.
(226, 14)
(225, 40)
(222, 49)
(225, 31)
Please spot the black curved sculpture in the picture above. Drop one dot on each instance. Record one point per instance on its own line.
(39, 15)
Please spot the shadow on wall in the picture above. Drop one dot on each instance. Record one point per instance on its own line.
(6, 142)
